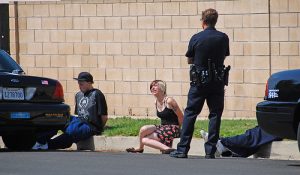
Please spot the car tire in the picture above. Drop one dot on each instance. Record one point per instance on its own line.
(19, 142)
(298, 136)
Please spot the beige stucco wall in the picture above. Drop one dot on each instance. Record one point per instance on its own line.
(126, 44)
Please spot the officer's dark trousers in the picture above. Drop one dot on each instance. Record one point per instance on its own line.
(214, 96)
(246, 144)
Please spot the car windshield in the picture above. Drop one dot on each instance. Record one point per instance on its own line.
(8, 64)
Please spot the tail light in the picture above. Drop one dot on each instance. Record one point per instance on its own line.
(59, 92)
(266, 91)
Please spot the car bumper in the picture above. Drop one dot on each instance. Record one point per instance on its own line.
(277, 118)
(39, 116)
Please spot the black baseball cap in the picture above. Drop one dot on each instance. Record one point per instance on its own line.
(85, 76)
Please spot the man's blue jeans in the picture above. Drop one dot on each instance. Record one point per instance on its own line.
(75, 131)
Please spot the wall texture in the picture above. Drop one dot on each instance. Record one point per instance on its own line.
(126, 44)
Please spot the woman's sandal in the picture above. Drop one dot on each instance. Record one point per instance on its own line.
(133, 150)
(167, 151)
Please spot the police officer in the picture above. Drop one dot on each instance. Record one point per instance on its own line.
(206, 54)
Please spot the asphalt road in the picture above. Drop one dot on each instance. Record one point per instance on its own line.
(104, 163)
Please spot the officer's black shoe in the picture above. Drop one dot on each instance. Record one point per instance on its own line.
(209, 156)
(178, 154)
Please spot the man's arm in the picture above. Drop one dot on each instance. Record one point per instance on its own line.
(102, 108)
(104, 119)
(190, 60)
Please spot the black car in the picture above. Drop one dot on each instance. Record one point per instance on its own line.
(279, 114)
(28, 105)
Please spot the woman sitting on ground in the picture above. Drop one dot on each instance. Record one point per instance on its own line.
(161, 136)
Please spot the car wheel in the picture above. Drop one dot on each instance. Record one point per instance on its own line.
(298, 136)
(19, 142)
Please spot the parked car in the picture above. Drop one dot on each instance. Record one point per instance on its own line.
(28, 105)
(279, 114)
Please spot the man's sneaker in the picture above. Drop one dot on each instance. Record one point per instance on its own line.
(220, 147)
(217, 153)
(178, 154)
(39, 146)
(204, 135)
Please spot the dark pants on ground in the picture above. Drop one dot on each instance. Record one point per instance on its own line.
(75, 131)
(247, 144)
(214, 96)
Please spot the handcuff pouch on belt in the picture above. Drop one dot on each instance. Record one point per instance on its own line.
(204, 76)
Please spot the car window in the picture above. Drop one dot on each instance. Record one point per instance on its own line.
(7, 64)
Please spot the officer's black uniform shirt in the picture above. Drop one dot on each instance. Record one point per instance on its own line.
(208, 44)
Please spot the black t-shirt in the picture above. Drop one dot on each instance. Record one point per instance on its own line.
(208, 44)
(90, 106)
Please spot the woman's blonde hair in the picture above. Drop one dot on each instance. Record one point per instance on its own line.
(161, 84)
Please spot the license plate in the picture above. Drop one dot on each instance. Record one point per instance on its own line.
(19, 115)
(13, 93)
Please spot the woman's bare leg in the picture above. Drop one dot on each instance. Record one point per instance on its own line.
(153, 141)
(145, 131)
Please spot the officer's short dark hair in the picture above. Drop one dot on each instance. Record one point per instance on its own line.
(210, 17)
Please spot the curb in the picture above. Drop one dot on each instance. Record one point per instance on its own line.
(281, 150)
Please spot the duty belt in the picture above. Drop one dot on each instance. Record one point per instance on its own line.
(203, 76)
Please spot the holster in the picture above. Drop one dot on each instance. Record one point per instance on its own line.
(226, 74)
(194, 77)
(222, 74)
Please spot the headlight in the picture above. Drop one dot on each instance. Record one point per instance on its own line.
(29, 92)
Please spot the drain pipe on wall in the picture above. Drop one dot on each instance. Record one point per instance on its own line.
(270, 39)
(17, 41)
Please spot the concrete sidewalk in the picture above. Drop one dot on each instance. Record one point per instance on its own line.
(284, 150)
